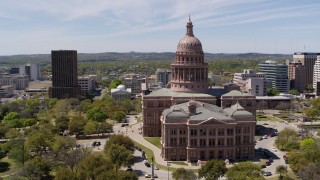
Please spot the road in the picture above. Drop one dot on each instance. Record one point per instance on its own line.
(268, 144)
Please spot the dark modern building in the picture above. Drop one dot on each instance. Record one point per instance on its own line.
(64, 74)
(308, 59)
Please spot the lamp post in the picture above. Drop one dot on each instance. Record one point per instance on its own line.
(168, 164)
(152, 169)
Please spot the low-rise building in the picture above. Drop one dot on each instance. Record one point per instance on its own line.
(133, 82)
(87, 84)
(18, 82)
(194, 131)
(6, 91)
(252, 82)
(121, 93)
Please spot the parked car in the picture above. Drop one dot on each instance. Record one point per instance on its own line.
(267, 173)
(274, 149)
(129, 168)
(156, 168)
(268, 163)
(265, 137)
(147, 175)
(147, 164)
(155, 176)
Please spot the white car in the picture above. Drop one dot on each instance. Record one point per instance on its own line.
(274, 149)
(147, 175)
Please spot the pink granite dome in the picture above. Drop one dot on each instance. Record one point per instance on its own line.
(189, 43)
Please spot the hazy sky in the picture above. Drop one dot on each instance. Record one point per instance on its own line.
(223, 26)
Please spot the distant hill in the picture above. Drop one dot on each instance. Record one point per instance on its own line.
(44, 59)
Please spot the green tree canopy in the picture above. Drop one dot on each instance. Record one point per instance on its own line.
(119, 156)
(272, 92)
(119, 139)
(244, 170)
(183, 174)
(96, 114)
(212, 170)
(93, 165)
(118, 115)
(281, 169)
(11, 116)
(61, 123)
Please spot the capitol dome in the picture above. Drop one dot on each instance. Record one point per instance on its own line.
(189, 43)
(122, 87)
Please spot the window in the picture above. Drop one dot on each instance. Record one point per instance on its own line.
(238, 140)
(173, 141)
(203, 142)
(173, 131)
(246, 129)
(238, 130)
(212, 132)
(182, 141)
(220, 132)
(193, 142)
(193, 132)
(182, 131)
(229, 132)
(203, 132)
(211, 142)
(229, 141)
(221, 142)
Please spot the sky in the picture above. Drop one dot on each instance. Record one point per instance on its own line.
(94, 26)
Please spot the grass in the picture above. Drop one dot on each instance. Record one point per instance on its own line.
(265, 117)
(139, 119)
(182, 163)
(12, 167)
(154, 140)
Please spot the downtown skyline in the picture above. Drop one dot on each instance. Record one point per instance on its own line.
(233, 26)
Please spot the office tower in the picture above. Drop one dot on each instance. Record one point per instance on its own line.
(297, 75)
(32, 70)
(163, 76)
(64, 74)
(308, 60)
(277, 74)
(316, 77)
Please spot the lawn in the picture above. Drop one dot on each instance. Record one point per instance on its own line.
(182, 163)
(265, 117)
(154, 140)
(8, 167)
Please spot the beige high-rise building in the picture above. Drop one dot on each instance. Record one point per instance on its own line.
(308, 60)
(192, 127)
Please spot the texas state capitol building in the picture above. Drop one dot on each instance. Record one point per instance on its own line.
(191, 126)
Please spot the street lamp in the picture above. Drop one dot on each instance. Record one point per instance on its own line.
(168, 164)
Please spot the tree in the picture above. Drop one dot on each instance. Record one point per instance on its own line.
(213, 169)
(119, 140)
(119, 156)
(92, 166)
(310, 88)
(294, 92)
(64, 173)
(104, 127)
(11, 116)
(36, 168)
(76, 125)
(308, 144)
(17, 150)
(91, 127)
(272, 92)
(183, 174)
(311, 171)
(311, 112)
(62, 123)
(287, 139)
(244, 170)
(96, 114)
(40, 141)
(119, 115)
(281, 169)
(29, 122)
